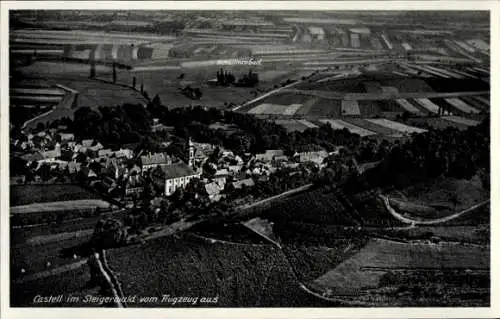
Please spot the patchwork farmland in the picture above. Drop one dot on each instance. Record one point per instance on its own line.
(378, 103)
(394, 214)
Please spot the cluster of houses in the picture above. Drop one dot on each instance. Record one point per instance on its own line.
(123, 172)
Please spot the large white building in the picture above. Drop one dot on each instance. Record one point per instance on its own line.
(178, 176)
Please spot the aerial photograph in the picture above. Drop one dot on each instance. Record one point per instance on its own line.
(264, 158)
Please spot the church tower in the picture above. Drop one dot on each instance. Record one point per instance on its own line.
(190, 150)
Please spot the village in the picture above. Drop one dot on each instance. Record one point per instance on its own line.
(128, 178)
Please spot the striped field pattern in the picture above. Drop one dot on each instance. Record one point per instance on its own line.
(403, 128)
(461, 105)
(350, 107)
(427, 104)
(339, 125)
(278, 109)
(461, 120)
(307, 123)
(408, 106)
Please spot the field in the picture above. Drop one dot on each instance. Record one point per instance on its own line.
(396, 126)
(29, 194)
(240, 275)
(447, 194)
(339, 125)
(59, 206)
(71, 282)
(365, 271)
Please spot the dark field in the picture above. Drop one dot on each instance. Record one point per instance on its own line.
(239, 275)
(29, 194)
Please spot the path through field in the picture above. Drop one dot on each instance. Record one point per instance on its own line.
(407, 220)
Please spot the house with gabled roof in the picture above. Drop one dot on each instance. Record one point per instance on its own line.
(153, 160)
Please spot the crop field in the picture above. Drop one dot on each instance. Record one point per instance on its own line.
(461, 120)
(366, 269)
(72, 282)
(428, 105)
(382, 130)
(437, 123)
(311, 262)
(278, 109)
(59, 206)
(29, 194)
(408, 106)
(79, 36)
(240, 275)
(294, 125)
(396, 126)
(448, 193)
(312, 207)
(462, 106)
(477, 102)
(350, 107)
(33, 257)
(340, 124)
(324, 107)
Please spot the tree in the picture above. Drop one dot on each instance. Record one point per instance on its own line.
(108, 233)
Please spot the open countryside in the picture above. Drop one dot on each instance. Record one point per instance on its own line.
(262, 158)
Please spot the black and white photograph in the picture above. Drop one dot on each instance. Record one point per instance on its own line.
(248, 158)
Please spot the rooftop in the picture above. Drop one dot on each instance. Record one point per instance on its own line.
(157, 158)
(178, 170)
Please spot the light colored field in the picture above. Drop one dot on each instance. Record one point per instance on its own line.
(38, 51)
(425, 68)
(37, 98)
(407, 106)
(321, 21)
(292, 109)
(375, 42)
(478, 43)
(355, 40)
(82, 37)
(445, 72)
(364, 270)
(389, 89)
(360, 30)
(481, 70)
(386, 40)
(278, 109)
(465, 46)
(282, 49)
(201, 32)
(291, 125)
(59, 206)
(403, 128)
(465, 74)
(350, 107)
(307, 123)
(461, 105)
(482, 99)
(339, 125)
(37, 91)
(427, 104)
(406, 46)
(461, 120)
(161, 50)
(271, 74)
(400, 74)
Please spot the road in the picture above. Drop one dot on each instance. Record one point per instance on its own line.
(412, 221)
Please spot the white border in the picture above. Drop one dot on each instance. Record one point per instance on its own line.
(492, 312)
